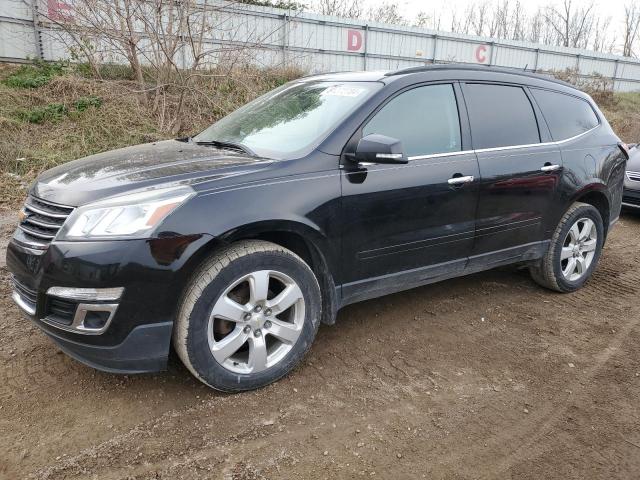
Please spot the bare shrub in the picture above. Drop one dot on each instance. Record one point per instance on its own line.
(167, 45)
(598, 86)
(27, 148)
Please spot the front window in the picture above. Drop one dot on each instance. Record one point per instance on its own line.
(291, 119)
(424, 119)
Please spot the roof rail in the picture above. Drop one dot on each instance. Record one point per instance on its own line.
(474, 67)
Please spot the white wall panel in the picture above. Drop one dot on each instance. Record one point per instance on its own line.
(591, 65)
(514, 57)
(17, 41)
(629, 70)
(271, 37)
(17, 9)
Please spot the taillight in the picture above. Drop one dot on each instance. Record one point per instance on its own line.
(624, 148)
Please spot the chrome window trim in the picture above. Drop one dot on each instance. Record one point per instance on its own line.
(437, 155)
(498, 149)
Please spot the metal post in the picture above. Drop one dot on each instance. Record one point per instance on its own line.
(285, 38)
(435, 45)
(36, 31)
(615, 74)
(366, 45)
(492, 59)
(535, 66)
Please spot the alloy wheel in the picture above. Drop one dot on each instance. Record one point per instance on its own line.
(579, 249)
(256, 322)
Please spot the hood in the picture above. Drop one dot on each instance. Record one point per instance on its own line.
(633, 164)
(117, 171)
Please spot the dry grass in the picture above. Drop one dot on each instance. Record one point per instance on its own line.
(124, 117)
(624, 115)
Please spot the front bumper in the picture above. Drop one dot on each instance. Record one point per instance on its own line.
(151, 272)
(631, 197)
(145, 349)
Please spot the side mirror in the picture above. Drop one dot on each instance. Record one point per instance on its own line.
(376, 148)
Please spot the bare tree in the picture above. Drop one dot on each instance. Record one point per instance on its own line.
(462, 22)
(338, 8)
(167, 44)
(571, 24)
(387, 13)
(536, 27)
(517, 25)
(480, 18)
(631, 28)
(602, 40)
(426, 20)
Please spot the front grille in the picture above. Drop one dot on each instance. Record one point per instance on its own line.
(633, 176)
(27, 294)
(41, 221)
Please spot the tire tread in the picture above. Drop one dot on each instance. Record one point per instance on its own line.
(205, 274)
(543, 273)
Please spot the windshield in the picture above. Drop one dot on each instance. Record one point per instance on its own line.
(290, 119)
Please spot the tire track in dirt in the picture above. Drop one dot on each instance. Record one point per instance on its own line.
(438, 375)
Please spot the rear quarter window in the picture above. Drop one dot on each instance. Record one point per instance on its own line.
(566, 116)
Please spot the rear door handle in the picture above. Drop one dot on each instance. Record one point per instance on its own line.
(550, 168)
(460, 180)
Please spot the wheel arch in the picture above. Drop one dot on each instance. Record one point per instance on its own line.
(596, 196)
(303, 240)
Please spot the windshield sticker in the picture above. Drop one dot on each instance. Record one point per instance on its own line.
(343, 91)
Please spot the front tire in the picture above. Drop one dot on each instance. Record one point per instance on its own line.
(574, 251)
(248, 316)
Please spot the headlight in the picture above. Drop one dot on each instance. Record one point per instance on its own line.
(127, 216)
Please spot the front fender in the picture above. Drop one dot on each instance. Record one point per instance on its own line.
(307, 205)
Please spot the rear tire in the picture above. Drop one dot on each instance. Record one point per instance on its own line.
(248, 316)
(574, 251)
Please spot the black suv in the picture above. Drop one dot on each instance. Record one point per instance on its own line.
(237, 243)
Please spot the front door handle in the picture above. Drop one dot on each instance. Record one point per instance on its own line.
(460, 180)
(550, 168)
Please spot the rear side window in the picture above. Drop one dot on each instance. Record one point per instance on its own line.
(425, 119)
(500, 116)
(566, 116)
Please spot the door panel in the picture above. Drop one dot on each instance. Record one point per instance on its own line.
(404, 224)
(520, 169)
(515, 195)
(400, 218)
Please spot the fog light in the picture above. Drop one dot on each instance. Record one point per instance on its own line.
(96, 320)
(89, 318)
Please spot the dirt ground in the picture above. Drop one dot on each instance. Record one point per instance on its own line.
(487, 376)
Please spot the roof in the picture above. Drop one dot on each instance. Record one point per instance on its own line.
(358, 76)
(440, 67)
(473, 67)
